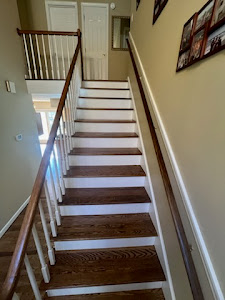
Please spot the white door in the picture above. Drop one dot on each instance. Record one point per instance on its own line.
(95, 40)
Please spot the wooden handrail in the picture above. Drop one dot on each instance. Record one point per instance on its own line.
(12, 277)
(44, 32)
(185, 248)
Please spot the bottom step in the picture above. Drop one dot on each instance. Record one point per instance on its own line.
(155, 294)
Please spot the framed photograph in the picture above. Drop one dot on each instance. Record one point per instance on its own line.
(205, 14)
(158, 8)
(219, 13)
(183, 60)
(215, 41)
(197, 44)
(187, 33)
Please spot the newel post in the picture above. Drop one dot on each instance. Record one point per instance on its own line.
(81, 53)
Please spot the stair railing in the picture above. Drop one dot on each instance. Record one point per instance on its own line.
(48, 53)
(53, 166)
(182, 238)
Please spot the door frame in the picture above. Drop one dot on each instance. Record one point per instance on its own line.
(105, 5)
(48, 3)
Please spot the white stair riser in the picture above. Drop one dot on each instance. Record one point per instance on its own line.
(104, 160)
(104, 127)
(105, 289)
(105, 93)
(112, 209)
(104, 182)
(104, 114)
(104, 243)
(105, 142)
(104, 103)
(105, 84)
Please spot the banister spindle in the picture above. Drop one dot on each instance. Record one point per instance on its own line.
(62, 151)
(27, 56)
(71, 108)
(45, 58)
(50, 54)
(39, 56)
(51, 253)
(32, 278)
(44, 267)
(67, 116)
(57, 213)
(59, 168)
(68, 51)
(63, 62)
(65, 143)
(57, 179)
(33, 57)
(48, 201)
(66, 132)
(15, 297)
(57, 57)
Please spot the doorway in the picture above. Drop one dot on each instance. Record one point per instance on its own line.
(95, 20)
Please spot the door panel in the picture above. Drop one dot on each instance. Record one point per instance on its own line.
(95, 37)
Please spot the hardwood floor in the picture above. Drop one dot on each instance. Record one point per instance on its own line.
(105, 151)
(105, 135)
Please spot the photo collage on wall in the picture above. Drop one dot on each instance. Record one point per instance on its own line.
(203, 34)
(158, 8)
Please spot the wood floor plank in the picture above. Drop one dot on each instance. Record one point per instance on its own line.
(105, 227)
(105, 267)
(104, 171)
(105, 135)
(105, 151)
(104, 121)
(99, 196)
(123, 109)
(155, 294)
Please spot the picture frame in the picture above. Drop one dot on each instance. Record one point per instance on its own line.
(204, 15)
(158, 8)
(215, 41)
(218, 18)
(197, 46)
(183, 60)
(187, 33)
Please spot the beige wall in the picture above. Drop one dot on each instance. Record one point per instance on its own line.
(18, 160)
(33, 14)
(191, 105)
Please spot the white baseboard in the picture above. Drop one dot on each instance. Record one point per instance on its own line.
(9, 223)
(212, 277)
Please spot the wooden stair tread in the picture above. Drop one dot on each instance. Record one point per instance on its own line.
(105, 151)
(103, 80)
(101, 196)
(105, 267)
(105, 135)
(107, 89)
(104, 98)
(104, 171)
(103, 121)
(105, 227)
(154, 294)
(120, 109)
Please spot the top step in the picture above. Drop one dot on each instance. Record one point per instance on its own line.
(105, 84)
(105, 93)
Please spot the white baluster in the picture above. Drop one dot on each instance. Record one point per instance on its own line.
(32, 278)
(57, 58)
(66, 110)
(57, 178)
(15, 297)
(52, 221)
(44, 267)
(57, 214)
(51, 253)
(65, 144)
(60, 167)
(63, 158)
(45, 58)
(63, 62)
(50, 53)
(66, 127)
(33, 57)
(68, 52)
(27, 56)
(39, 56)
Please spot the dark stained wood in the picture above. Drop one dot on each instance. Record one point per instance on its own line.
(104, 121)
(85, 108)
(100, 196)
(183, 241)
(105, 227)
(44, 32)
(105, 80)
(155, 294)
(24, 235)
(105, 267)
(105, 98)
(104, 171)
(81, 53)
(107, 89)
(105, 151)
(105, 135)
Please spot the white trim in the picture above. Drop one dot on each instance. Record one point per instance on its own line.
(159, 229)
(212, 277)
(59, 3)
(105, 289)
(14, 217)
(106, 5)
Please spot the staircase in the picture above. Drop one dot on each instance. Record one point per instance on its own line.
(105, 245)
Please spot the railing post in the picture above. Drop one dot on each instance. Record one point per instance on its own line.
(81, 53)
(52, 221)
(60, 173)
(32, 278)
(57, 213)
